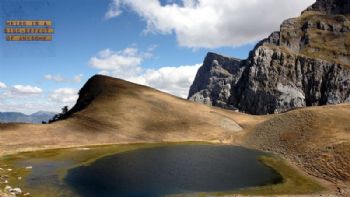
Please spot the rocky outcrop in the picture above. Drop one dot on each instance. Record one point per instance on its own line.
(214, 79)
(331, 6)
(306, 63)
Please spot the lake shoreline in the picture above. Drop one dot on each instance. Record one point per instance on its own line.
(141, 145)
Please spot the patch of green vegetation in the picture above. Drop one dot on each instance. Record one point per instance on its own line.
(293, 181)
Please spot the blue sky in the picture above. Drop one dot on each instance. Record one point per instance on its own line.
(160, 44)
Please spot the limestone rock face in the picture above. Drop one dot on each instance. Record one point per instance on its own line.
(306, 63)
(213, 81)
(275, 81)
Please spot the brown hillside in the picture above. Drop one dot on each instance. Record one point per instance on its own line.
(316, 138)
(115, 111)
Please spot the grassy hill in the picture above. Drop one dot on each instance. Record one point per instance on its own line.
(115, 111)
(316, 138)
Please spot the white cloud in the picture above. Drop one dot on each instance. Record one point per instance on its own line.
(26, 101)
(78, 78)
(59, 78)
(113, 9)
(110, 60)
(28, 107)
(173, 80)
(123, 64)
(26, 90)
(213, 23)
(2, 85)
(65, 96)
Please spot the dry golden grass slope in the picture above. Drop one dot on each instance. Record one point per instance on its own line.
(113, 111)
(316, 138)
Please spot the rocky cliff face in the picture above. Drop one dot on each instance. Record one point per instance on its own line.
(214, 79)
(306, 63)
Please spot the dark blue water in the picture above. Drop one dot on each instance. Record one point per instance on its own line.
(172, 170)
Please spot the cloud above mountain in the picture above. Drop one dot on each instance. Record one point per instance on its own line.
(126, 64)
(211, 23)
(174, 80)
(65, 96)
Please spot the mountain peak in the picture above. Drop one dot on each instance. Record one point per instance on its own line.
(101, 87)
(40, 113)
(215, 56)
(332, 7)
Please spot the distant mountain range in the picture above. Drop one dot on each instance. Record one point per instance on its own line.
(38, 117)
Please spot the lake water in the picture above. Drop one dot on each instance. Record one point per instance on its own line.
(172, 170)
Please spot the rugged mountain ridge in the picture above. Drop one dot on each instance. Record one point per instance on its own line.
(306, 63)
